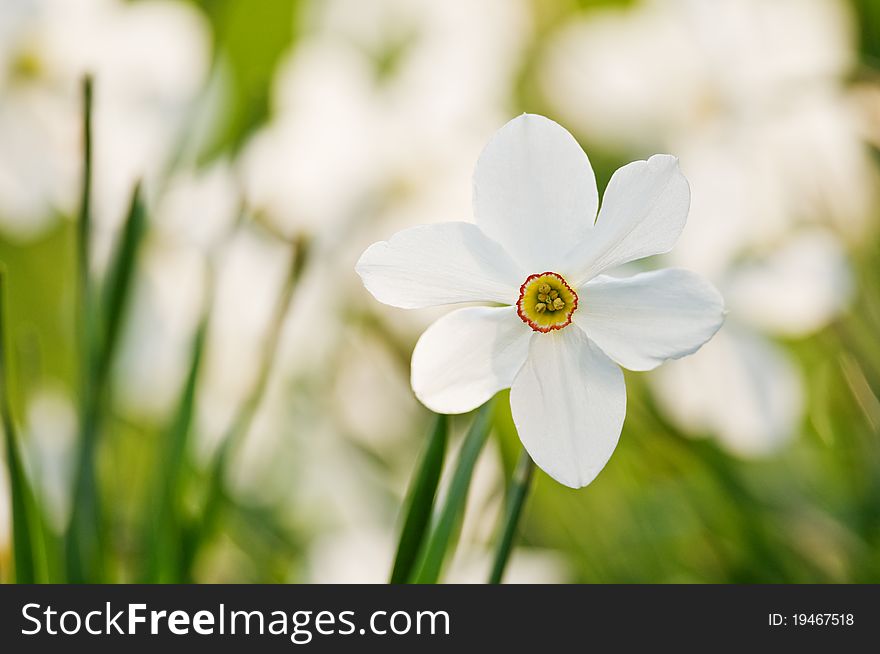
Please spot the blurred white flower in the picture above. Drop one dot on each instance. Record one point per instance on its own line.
(149, 60)
(750, 93)
(34, 125)
(742, 387)
(373, 399)
(796, 289)
(154, 352)
(51, 425)
(683, 64)
(377, 97)
(198, 208)
(251, 268)
(535, 200)
(189, 223)
(308, 168)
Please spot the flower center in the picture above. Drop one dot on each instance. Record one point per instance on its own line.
(25, 65)
(546, 302)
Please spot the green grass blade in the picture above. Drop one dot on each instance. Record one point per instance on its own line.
(117, 287)
(82, 517)
(165, 524)
(27, 530)
(420, 502)
(444, 532)
(85, 546)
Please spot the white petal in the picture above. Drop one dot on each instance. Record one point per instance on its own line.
(568, 404)
(643, 213)
(797, 289)
(740, 387)
(467, 356)
(439, 264)
(643, 320)
(534, 191)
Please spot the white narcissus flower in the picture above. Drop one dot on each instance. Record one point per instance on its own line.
(752, 93)
(375, 97)
(564, 327)
(150, 61)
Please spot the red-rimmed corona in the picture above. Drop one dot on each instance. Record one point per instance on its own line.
(546, 302)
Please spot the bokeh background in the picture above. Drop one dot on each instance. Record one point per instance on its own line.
(275, 140)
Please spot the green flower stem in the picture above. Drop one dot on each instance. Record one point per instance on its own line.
(443, 536)
(420, 502)
(516, 499)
